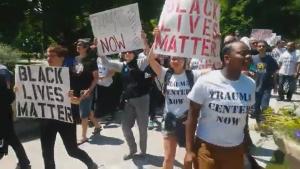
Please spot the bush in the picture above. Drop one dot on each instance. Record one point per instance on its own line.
(9, 56)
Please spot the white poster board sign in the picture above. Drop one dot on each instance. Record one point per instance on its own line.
(261, 34)
(117, 30)
(188, 29)
(42, 92)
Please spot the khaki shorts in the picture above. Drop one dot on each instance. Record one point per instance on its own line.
(209, 156)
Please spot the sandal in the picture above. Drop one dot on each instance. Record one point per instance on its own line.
(97, 130)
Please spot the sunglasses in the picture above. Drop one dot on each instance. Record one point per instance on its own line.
(129, 52)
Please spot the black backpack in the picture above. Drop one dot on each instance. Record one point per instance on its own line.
(170, 72)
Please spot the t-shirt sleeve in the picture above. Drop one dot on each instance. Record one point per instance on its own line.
(197, 92)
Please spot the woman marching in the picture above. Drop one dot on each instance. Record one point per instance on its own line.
(85, 77)
(177, 83)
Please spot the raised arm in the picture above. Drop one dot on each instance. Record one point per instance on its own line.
(155, 66)
(115, 65)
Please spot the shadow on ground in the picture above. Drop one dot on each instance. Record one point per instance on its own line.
(151, 160)
(104, 140)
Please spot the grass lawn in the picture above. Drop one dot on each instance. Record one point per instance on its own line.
(276, 164)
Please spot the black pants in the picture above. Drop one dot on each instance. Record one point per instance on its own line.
(156, 101)
(15, 143)
(49, 128)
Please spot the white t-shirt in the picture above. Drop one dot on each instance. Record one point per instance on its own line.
(176, 101)
(224, 107)
(103, 72)
(288, 63)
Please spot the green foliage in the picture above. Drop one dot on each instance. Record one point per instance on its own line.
(8, 55)
(284, 121)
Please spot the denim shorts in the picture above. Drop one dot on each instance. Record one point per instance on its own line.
(85, 107)
(172, 126)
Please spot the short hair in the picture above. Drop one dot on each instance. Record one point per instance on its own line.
(227, 49)
(264, 42)
(59, 50)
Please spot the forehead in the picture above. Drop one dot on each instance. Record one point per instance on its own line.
(239, 47)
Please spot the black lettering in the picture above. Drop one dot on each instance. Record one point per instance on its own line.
(33, 111)
(235, 121)
(69, 114)
(25, 93)
(30, 75)
(58, 93)
(41, 90)
(42, 105)
(22, 110)
(22, 73)
(50, 93)
(42, 77)
(227, 120)
(34, 92)
(49, 71)
(61, 113)
(51, 106)
(58, 76)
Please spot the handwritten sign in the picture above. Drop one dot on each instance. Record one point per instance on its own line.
(188, 29)
(117, 30)
(261, 34)
(43, 92)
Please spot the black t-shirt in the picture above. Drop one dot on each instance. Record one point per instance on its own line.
(81, 73)
(264, 70)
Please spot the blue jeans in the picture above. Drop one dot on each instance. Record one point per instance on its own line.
(262, 100)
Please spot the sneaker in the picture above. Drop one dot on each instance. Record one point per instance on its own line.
(82, 141)
(93, 166)
(129, 156)
(97, 130)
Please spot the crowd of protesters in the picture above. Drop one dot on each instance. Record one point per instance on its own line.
(205, 106)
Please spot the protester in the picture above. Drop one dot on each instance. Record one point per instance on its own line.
(67, 131)
(224, 97)
(85, 77)
(177, 82)
(134, 98)
(279, 49)
(265, 78)
(104, 100)
(253, 46)
(289, 71)
(7, 132)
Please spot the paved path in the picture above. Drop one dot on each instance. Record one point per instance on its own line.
(107, 150)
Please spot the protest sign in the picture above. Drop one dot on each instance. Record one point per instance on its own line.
(117, 30)
(188, 29)
(42, 92)
(261, 34)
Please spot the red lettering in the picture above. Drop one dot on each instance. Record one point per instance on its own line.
(121, 43)
(213, 49)
(183, 39)
(110, 44)
(215, 8)
(179, 23)
(196, 40)
(161, 43)
(205, 47)
(178, 9)
(207, 7)
(206, 26)
(195, 7)
(194, 24)
(172, 45)
(215, 29)
(104, 45)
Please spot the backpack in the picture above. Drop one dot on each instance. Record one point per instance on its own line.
(169, 73)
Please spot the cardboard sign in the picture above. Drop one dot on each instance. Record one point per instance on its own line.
(188, 29)
(261, 34)
(43, 92)
(117, 30)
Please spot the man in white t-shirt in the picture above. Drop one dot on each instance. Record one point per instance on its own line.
(288, 72)
(224, 97)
